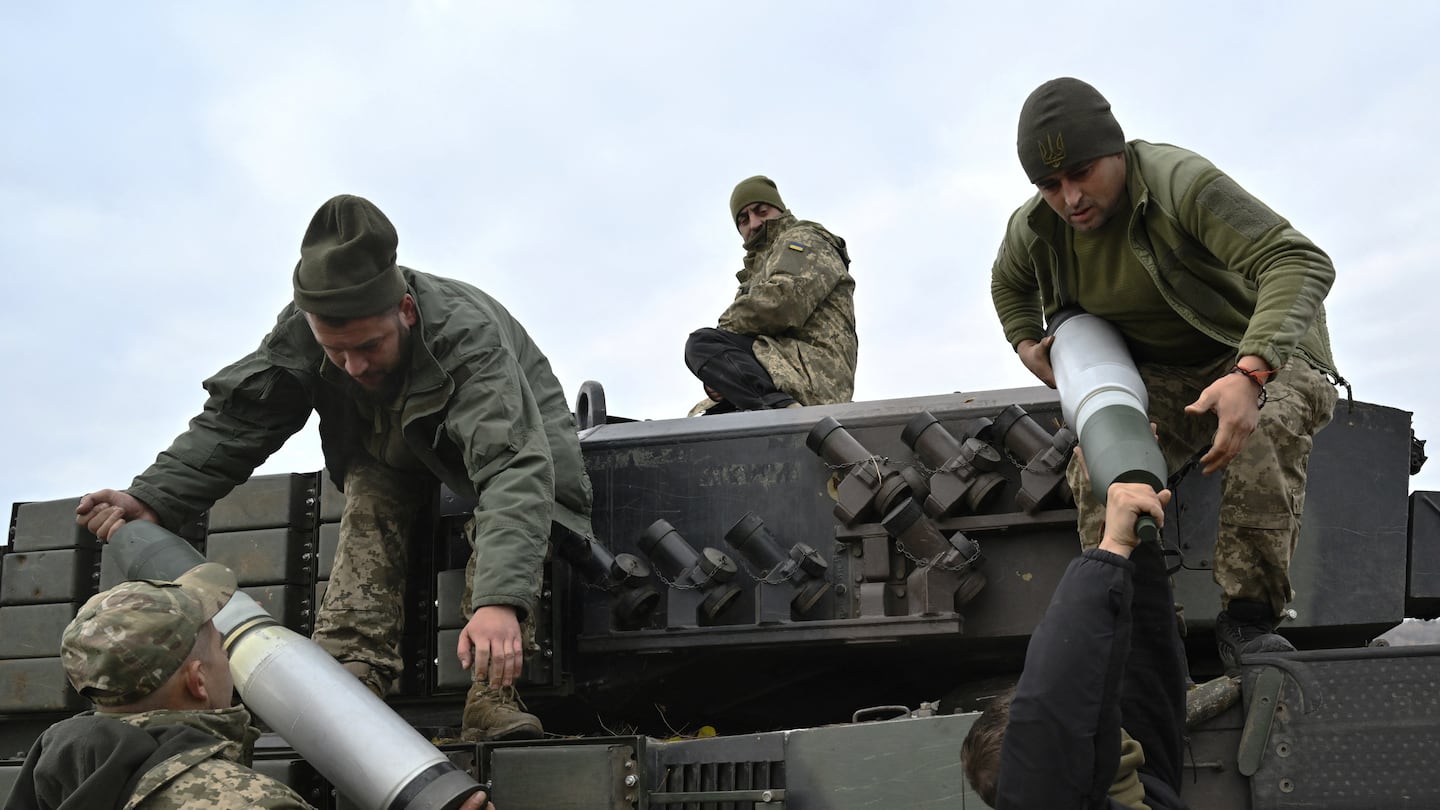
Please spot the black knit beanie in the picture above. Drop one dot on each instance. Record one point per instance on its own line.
(347, 261)
(1064, 123)
(752, 190)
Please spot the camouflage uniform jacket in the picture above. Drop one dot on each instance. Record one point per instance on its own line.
(158, 760)
(213, 776)
(1231, 267)
(797, 300)
(483, 412)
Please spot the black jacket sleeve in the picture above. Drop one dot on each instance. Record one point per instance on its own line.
(1062, 745)
(1082, 680)
(1152, 695)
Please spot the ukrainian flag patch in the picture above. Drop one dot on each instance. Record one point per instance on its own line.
(795, 246)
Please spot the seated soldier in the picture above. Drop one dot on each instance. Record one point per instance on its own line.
(788, 338)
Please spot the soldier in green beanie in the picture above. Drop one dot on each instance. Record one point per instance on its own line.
(788, 338)
(418, 380)
(1220, 301)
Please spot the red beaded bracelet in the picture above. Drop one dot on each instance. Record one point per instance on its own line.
(1257, 377)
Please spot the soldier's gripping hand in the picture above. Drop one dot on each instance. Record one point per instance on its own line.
(105, 510)
(478, 801)
(1035, 354)
(490, 645)
(1124, 504)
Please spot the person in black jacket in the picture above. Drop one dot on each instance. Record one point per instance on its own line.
(1106, 654)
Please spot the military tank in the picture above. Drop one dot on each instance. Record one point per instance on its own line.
(804, 608)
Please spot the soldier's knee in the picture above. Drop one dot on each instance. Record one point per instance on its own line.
(373, 679)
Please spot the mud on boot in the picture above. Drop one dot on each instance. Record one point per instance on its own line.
(497, 714)
(1244, 627)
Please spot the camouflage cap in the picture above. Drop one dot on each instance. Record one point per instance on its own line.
(127, 641)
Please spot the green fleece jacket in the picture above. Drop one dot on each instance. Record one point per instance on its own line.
(483, 412)
(1231, 267)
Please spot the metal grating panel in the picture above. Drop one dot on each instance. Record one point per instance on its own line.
(747, 765)
(1351, 730)
(719, 777)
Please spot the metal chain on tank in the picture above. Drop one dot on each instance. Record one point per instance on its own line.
(878, 460)
(767, 579)
(660, 575)
(1020, 466)
(670, 583)
(900, 545)
(935, 562)
(850, 465)
(1024, 466)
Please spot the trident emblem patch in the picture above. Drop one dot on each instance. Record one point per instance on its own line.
(1052, 150)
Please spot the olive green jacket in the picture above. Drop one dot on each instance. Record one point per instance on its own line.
(797, 299)
(483, 412)
(1231, 267)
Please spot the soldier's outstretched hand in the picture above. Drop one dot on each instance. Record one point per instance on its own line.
(490, 645)
(1235, 401)
(105, 510)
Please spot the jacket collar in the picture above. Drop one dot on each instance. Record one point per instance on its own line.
(230, 725)
(761, 242)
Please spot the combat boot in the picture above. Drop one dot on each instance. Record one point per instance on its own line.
(497, 714)
(1244, 627)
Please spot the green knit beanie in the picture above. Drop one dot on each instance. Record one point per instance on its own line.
(347, 261)
(752, 190)
(1064, 123)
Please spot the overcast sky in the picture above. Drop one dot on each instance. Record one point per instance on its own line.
(159, 163)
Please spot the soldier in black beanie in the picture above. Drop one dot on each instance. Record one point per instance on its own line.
(1219, 300)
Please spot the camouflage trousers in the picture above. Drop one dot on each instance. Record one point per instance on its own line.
(1262, 491)
(361, 620)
